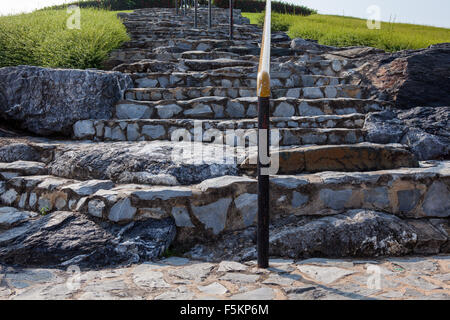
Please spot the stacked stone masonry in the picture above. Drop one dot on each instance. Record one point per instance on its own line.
(198, 82)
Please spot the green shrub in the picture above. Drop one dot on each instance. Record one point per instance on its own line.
(119, 5)
(260, 6)
(347, 31)
(278, 24)
(42, 38)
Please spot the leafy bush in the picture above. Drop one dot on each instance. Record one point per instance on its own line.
(278, 23)
(347, 31)
(42, 38)
(260, 6)
(120, 4)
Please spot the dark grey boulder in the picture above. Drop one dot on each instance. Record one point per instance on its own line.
(358, 233)
(302, 45)
(63, 238)
(139, 162)
(355, 233)
(409, 78)
(49, 101)
(424, 129)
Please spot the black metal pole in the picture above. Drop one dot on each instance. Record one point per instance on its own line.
(196, 13)
(176, 6)
(231, 20)
(263, 184)
(209, 14)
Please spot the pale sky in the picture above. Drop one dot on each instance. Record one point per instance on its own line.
(430, 12)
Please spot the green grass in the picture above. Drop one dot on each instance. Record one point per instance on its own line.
(348, 31)
(42, 39)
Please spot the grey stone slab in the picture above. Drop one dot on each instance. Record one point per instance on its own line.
(258, 294)
(213, 215)
(238, 278)
(326, 275)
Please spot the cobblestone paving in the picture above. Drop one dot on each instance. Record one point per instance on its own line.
(180, 278)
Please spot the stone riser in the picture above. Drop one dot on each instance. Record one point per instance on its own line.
(148, 29)
(103, 130)
(148, 33)
(185, 65)
(224, 108)
(247, 65)
(230, 203)
(132, 129)
(198, 79)
(211, 55)
(134, 54)
(187, 20)
(190, 36)
(172, 17)
(183, 93)
(187, 44)
(361, 157)
(205, 45)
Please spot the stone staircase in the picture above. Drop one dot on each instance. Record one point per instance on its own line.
(197, 85)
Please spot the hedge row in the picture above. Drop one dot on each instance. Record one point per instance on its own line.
(244, 5)
(260, 6)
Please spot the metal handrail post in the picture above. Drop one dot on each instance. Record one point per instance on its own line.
(231, 20)
(195, 15)
(263, 92)
(209, 14)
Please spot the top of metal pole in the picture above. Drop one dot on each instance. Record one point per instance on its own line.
(263, 84)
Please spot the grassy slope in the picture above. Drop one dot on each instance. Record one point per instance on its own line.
(347, 31)
(42, 38)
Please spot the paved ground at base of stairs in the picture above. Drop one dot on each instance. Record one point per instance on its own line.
(180, 278)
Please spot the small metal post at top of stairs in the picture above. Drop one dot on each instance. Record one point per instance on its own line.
(231, 20)
(209, 14)
(176, 7)
(263, 92)
(196, 14)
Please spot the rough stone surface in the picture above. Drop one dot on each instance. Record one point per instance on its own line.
(60, 237)
(424, 129)
(124, 162)
(355, 233)
(410, 78)
(47, 101)
(324, 275)
(358, 233)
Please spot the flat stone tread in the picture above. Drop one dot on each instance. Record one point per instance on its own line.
(348, 279)
(426, 169)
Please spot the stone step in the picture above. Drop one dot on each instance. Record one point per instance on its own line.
(187, 21)
(190, 44)
(134, 129)
(128, 55)
(346, 158)
(205, 65)
(222, 78)
(247, 65)
(192, 36)
(187, 93)
(212, 55)
(224, 108)
(148, 130)
(183, 32)
(183, 65)
(11, 217)
(152, 33)
(21, 168)
(229, 203)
